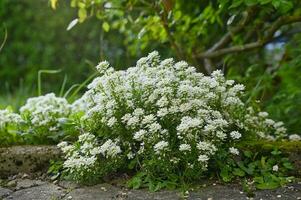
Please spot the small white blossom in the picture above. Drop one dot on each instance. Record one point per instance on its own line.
(185, 147)
(235, 135)
(294, 137)
(234, 151)
(160, 146)
(110, 149)
(203, 158)
(275, 168)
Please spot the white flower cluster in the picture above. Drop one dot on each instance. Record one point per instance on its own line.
(294, 137)
(110, 149)
(81, 156)
(264, 127)
(7, 117)
(45, 111)
(166, 109)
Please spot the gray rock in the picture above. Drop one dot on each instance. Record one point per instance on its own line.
(42, 192)
(291, 192)
(68, 184)
(108, 192)
(146, 195)
(233, 192)
(4, 192)
(39, 190)
(101, 191)
(27, 183)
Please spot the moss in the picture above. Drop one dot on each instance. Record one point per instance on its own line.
(263, 146)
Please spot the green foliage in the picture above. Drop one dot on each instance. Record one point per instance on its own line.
(187, 30)
(267, 172)
(275, 81)
(177, 24)
(38, 40)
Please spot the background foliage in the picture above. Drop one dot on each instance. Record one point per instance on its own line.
(123, 30)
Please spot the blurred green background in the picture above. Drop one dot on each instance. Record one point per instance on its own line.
(37, 38)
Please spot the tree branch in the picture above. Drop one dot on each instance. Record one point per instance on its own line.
(164, 21)
(259, 43)
(247, 16)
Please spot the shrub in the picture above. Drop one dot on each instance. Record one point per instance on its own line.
(164, 119)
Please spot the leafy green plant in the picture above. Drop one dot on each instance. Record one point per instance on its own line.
(266, 172)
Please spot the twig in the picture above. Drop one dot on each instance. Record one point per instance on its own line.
(259, 43)
(4, 40)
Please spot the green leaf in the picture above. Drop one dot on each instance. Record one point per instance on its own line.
(53, 4)
(288, 165)
(262, 161)
(225, 174)
(106, 26)
(132, 164)
(135, 182)
(248, 154)
(263, 2)
(259, 179)
(236, 3)
(276, 152)
(267, 185)
(82, 14)
(239, 172)
(177, 15)
(250, 2)
(248, 170)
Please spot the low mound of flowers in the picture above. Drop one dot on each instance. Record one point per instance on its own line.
(42, 120)
(162, 118)
(44, 114)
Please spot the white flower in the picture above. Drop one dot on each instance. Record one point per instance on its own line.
(154, 127)
(139, 135)
(235, 135)
(160, 146)
(203, 158)
(269, 122)
(263, 114)
(112, 121)
(110, 149)
(86, 137)
(206, 147)
(188, 123)
(234, 151)
(103, 66)
(8, 117)
(62, 144)
(46, 111)
(294, 137)
(275, 168)
(130, 155)
(185, 147)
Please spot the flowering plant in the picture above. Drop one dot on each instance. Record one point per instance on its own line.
(163, 118)
(44, 117)
(9, 127)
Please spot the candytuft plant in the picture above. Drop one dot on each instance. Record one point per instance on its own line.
(45, 117)
(10, 127)
(163, 119)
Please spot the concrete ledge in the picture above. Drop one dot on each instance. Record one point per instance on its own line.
(26, 159)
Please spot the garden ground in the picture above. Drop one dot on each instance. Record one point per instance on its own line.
(29, 189)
